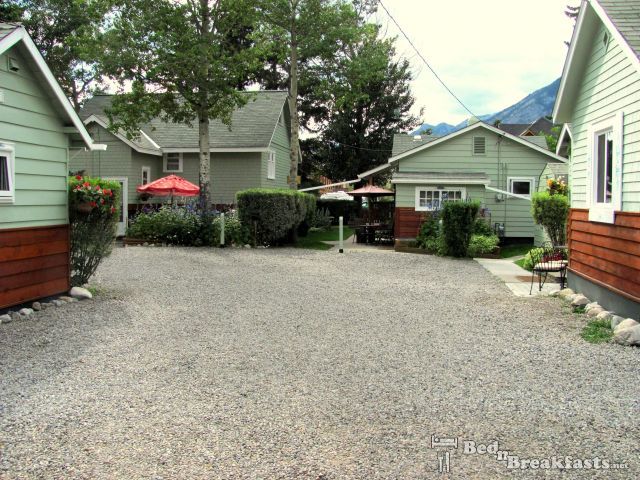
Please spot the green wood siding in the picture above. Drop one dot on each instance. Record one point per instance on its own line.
(610, 84)
(510, 158)
(29, 119)
(281, 145)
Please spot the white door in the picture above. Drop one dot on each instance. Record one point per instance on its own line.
(124, 191)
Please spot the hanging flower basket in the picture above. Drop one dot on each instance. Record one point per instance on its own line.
(84, 207)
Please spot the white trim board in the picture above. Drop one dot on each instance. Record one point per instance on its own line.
(20, 34)
(311, 189)
(123, 138)
(217, 150)
(504, 192)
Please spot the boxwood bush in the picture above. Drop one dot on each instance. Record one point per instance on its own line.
(273, 215)
(551, 212)
(173, 225)
(458, 220)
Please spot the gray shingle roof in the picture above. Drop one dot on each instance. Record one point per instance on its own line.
(7, 28)
(625, 15)
(252, 125)
(513, 128)
(403, 142)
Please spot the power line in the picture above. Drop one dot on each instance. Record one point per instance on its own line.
(425, 60)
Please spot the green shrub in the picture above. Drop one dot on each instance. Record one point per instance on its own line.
(429, 230)
(457, 226)
(482, 227)
(173, 225)
(321, 218)
(234, 232)
(310, 204)
(272, 215)
(551, 212)
(530, 258)
(348, 209)
(482, 244)
(93, 218)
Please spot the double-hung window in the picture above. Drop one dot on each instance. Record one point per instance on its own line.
(173, 162)
(271, 166)
(7, 175)
(429, 199)
(146, 175)
(604, 190)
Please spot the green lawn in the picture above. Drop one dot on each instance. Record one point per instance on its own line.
(314, 240)
(520, 263)
(513, 250)
(597, 331)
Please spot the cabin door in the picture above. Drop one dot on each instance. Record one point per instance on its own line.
(124, 202)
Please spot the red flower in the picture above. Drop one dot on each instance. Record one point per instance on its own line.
(113, 209)
(78, 177)
(108, 192)
(102, 201)
(86, 184)
(97, 187)
(93, 204)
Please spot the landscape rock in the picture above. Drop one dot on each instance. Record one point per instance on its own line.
(36, 306)
(615, 321)
(579, 301)
(15, 316)
(58, 303)
(604, 315)
(25, 312)
(626, 323)
(247, 246)
(594, 312)
(64, 298)
(46, 305)
(5, 318)
(591, 305)
(565, 293)
(80, 293)
(628, 336)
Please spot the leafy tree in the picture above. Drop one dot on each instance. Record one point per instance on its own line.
(183, 62)
(369, 100)
(552, 138)
(301, 34)
(68, 34)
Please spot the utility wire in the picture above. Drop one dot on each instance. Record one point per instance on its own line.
(425, 60)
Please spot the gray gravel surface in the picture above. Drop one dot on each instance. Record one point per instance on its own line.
(195, 363)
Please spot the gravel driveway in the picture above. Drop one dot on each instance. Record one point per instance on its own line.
(285, 363)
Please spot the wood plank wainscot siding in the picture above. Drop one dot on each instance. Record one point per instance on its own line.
(607, 255)
(34, 263)
(407, 222)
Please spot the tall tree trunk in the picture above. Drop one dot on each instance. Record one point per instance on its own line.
(293, 109)
(205, 160)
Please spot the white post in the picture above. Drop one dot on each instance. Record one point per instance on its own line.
(222, 229)
(341, 238)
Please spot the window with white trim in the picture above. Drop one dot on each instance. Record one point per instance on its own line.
(7, 169)
(172, 162)
(429, 199)
(605, 169)
(521, 185)
(479, 145)
(145, 176)
(271, 166)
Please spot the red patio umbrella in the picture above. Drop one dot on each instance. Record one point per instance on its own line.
(371, 191)
(171, 185)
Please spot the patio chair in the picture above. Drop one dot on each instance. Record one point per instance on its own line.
(549, 259)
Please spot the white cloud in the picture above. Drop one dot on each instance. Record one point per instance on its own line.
(491, 53)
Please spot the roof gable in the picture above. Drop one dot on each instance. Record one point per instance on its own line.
(252, 126)
(478, 125)
(14, 35)
(622, 19)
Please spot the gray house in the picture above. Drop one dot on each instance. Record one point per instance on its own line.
(253, 152)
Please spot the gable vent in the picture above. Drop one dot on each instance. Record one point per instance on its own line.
(479, 145)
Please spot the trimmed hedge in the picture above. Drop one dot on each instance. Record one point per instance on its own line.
(273, 215)
(458, 220)
(551, 211)
(349, 209)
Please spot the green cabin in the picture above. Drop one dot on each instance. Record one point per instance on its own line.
(37, 127)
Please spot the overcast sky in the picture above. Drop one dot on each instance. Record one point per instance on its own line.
(491, 53)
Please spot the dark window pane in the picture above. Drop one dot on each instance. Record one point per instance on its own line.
(521, 187)
(608, 185)
(4, 173)
(600, 162)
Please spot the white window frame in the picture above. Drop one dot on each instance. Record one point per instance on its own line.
(180, 161)
(9, 150)
(142, 171)
(531, 180)
(271, 165)
(599, 211)
(418, 208)
(473, 145)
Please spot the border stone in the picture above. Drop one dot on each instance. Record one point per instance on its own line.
(628, 336)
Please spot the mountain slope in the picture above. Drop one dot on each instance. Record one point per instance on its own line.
(529, 109)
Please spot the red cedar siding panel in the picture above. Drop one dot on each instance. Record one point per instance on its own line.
(407, 222)
(605, 254)
(34, 263)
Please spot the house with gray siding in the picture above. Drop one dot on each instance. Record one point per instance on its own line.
(252, 152)
(479, 162)
(599, 104)
(37, 127)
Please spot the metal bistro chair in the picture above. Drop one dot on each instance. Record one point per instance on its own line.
(549, 259)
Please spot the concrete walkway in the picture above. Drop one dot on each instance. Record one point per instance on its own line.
(517, 279)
